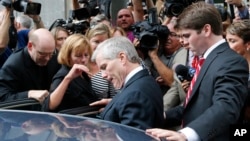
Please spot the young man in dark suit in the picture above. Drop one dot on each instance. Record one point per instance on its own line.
(220, 89)
(139, 103)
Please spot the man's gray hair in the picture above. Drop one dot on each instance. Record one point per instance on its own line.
(110, 48)
(24, 20)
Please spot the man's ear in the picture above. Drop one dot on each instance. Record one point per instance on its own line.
(207, 28)
(123, 58)
(248, 46)
(29, 45)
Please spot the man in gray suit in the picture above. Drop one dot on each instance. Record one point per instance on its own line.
(220, 89)
(139, 103)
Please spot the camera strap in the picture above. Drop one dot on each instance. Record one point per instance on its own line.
(231, 8)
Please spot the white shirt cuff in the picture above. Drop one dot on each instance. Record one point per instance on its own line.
(190, 134)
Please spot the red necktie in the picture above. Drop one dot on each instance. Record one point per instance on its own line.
(196, 63)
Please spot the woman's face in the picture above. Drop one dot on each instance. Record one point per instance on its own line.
(96, 40)
(61, 37)
(80, 58)
(236, 43)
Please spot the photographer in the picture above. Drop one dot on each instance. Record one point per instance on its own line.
(4, 26)
(161, 63)
(13, 36)
(156, 58)
(79, 18)
(5, 51)
(95, 6)
(129, 16)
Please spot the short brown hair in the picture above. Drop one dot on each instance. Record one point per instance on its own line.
(240, 28)
(199, 14)
(74, 43)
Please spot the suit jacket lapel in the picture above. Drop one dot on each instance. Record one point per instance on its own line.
(209, 60)
(135, 77)
(138, 75)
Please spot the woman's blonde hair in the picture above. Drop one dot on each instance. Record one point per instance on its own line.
(117, 28)
(98, 29)
(55, 31)
(74, 43)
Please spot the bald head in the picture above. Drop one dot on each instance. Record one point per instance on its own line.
(41, 46)
(43, 38)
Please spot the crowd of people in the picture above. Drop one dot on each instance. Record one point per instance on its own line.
(106, 65)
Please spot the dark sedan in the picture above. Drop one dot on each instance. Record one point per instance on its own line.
(18, 125)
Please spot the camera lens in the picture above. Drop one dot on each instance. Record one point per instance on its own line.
(149, 41)
(176, 9)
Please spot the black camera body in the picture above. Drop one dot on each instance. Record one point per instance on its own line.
(78, 21)
(175, 7)
(71, 26)
(85, 12)
(25, 6)
(149, 31)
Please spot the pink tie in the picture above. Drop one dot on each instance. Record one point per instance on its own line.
(197, 65)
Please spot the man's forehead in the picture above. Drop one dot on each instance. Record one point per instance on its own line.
(124, 12)
(100, 61)
(99, 57)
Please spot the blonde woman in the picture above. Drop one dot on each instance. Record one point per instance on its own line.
(102, 87)
(60, 35)
(71, 85)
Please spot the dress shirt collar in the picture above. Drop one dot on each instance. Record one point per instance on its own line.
(132, 73)
(212, 48)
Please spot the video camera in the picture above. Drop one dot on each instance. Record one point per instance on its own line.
(25, 6)
(71, 26)
(84, 13)
(175, 7)
(149, 31)
(79, 19)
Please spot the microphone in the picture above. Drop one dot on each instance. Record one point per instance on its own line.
(184, 72)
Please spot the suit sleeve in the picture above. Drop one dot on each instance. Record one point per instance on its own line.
(10, 83)
(134, 111)
(173, 116)
(228, 81)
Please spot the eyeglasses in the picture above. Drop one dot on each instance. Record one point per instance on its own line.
(43, 54)
(173, 34)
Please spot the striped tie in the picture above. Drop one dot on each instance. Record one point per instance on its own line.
(197, 63)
